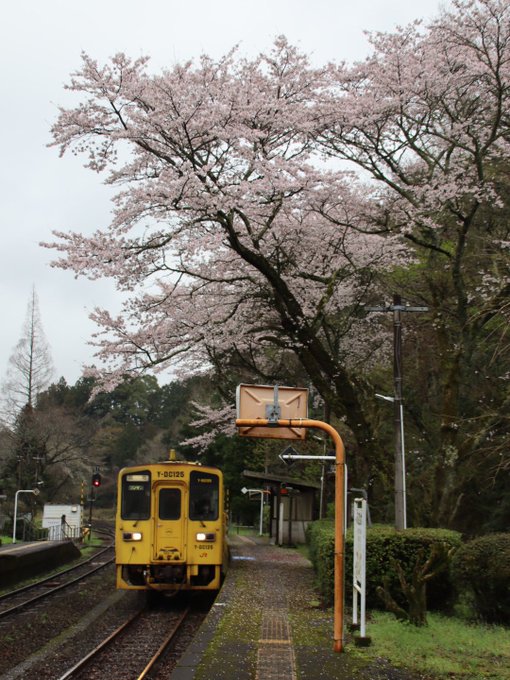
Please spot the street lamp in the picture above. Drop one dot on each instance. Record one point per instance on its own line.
(261, 492)
(35, 492)
(400, 465)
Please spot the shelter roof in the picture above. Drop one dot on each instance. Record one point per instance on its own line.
(272, 478)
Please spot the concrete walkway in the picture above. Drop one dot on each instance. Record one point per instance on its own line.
(266, 625)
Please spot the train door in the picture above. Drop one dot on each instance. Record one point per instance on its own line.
(170, 523)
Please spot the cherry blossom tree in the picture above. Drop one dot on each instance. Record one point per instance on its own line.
(426, 115)
(235, 238)
(228, 231)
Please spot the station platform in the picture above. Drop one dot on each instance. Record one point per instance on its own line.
(20, 561)
(267, 624)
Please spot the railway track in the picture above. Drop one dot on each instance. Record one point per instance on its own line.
(134, 649)
(19, 599)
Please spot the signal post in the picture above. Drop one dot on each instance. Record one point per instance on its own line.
(95, 483)
(261, 412)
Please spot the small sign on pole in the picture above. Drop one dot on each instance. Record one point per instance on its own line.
(359, 564)
(272, 403)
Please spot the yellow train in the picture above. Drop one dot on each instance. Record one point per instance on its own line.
(170, 529)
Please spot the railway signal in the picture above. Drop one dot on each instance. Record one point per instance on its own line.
(95, 484)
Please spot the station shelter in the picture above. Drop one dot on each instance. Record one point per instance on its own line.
(293, 505)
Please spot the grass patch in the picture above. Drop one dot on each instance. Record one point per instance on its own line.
(302, 549)
(447, 647)
(239, 530)
(89, 546)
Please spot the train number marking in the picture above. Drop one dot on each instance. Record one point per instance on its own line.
(170, 473)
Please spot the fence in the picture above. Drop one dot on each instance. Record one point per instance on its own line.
(63, 532)
(28, 531)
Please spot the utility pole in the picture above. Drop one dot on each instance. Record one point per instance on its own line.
(400, 473)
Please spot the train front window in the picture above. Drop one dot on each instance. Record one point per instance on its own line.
(136, 496)
(204, 495)
(170, 504)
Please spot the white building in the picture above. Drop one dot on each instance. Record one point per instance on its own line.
(62, 521)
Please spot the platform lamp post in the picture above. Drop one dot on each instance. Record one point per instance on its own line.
(35, 492)
(400, 468)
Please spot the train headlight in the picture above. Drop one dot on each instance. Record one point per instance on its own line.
(132, 536)
(202, 537)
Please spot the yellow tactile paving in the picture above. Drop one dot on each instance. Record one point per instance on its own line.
(275, 656)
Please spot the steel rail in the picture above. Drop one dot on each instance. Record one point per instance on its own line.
(83, 662)
(18, 591)
(164, 644)
(24, 604)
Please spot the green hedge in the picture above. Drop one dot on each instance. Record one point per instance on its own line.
(481, 570)
(320, 537)
(383, 545)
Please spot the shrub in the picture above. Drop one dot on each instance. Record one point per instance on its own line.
(426, 568)
(481, 571)
(321, 545)
(384, 544)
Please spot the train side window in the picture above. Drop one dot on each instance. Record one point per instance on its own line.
(169, 504)
(136, 496)
(204, 493)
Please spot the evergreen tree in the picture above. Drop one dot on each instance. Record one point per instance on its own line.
(30, 366)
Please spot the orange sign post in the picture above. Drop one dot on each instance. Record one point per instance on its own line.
(261, 411)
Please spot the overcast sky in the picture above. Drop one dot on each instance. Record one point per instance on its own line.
(40, 45)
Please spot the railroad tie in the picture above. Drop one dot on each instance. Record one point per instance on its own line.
(275, 656)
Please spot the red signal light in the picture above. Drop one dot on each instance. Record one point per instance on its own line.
(96, 479)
